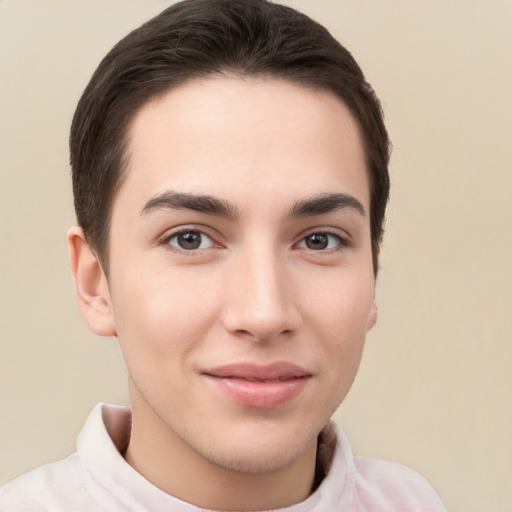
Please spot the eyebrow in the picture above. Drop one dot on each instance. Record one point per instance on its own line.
(319, 205)
(183, 200)
(326, 203)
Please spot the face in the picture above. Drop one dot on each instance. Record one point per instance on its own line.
(241, 282)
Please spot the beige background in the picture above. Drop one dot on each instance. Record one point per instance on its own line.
(434, 391)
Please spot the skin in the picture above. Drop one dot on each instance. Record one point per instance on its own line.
(256, 289)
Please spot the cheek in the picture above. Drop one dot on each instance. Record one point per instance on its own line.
(162, 314)
(343, 309)
(339, 317)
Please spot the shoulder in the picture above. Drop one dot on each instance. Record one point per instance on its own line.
(48, 487)
(363, 484)
(82, 481)
(393, 487)
(53, 487)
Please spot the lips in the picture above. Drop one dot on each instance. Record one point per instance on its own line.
(259, 386)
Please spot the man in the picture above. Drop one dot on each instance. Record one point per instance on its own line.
(230, 179)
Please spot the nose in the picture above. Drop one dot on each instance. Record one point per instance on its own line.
(259, 301)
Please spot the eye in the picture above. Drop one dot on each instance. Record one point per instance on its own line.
(190, 241)
(322, 241)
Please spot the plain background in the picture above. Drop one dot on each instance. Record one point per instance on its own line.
(434, 390)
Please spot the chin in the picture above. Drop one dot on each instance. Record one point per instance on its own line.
(258, 455)
(255, 463)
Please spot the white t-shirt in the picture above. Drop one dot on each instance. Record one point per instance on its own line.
(97, 478)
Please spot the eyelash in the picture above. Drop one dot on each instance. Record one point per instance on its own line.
(342, 242)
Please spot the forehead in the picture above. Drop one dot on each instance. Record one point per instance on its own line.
(223, 136)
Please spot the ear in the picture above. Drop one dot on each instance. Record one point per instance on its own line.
(91, 285)
(372, 317)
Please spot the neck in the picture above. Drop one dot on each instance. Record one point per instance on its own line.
(169, 463)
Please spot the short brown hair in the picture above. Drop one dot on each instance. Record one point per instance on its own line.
(198, 38)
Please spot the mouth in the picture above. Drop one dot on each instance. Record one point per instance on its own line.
(259, 386)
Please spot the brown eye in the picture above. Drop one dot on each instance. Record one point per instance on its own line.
(321, 241)
(317, 241)
(191, 241)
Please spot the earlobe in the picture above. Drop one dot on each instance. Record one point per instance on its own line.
(91, 285)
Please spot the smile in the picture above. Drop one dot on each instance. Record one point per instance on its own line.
(262, 387)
